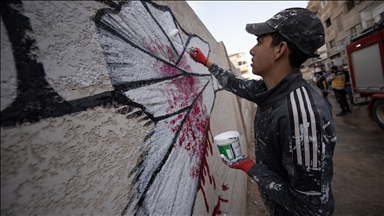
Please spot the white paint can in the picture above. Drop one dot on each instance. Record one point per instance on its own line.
(228, 144)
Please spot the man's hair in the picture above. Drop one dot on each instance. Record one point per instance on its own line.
(296, 57)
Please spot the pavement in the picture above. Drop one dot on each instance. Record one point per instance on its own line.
(358, 180)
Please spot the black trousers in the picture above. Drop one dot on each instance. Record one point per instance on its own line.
(341, 98)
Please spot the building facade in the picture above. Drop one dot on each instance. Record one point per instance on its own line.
(343, 21)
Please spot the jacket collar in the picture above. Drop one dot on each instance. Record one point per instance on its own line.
(289, 83)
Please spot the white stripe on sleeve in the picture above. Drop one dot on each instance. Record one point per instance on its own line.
(296, 127)
(304, 128)
(313, 127)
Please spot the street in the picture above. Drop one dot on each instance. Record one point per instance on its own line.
(358, 180)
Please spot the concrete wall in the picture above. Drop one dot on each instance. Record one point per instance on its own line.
(102, 112)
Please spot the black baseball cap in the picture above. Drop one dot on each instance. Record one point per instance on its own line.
(299, 26)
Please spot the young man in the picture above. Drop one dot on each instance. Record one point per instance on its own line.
(294, 131)
(323, 86)
(338, 84)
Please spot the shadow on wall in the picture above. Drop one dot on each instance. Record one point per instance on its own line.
(148, 69)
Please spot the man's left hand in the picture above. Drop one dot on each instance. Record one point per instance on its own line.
(242, 163)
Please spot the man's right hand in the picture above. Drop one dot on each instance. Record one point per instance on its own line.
(198, 56)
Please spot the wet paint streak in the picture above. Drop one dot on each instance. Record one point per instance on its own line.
(204, 196)
(205, 171)
(194, 129)
(216, 210)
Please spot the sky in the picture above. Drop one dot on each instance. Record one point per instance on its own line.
(226, 20)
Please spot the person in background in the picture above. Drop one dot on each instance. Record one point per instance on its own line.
(323, 86)
(348, 88)
(338, 83)
(294, 131)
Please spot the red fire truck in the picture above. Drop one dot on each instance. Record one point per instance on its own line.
(366, 65)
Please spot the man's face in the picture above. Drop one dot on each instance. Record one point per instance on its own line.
(262, 55)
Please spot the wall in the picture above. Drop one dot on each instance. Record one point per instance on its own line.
(103, 112)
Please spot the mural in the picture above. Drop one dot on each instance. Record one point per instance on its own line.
(149, 69)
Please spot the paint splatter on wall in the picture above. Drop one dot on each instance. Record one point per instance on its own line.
(152, 80)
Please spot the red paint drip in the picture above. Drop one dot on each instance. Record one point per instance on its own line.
(192, 134)
(205, 199)
(216, 210)
(225, 187)
(205, 167)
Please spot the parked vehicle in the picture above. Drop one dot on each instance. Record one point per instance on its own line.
(366, 66)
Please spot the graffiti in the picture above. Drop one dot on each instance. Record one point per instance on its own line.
(178, 98)
(149, 70)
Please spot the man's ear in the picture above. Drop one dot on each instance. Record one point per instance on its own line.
(281, 50)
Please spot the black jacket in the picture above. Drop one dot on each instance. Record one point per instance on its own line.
(294, 143)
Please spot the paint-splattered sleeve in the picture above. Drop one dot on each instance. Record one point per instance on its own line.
(243, 88)
(277, 190)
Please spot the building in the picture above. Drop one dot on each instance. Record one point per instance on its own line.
(240, 61)
(343, 21)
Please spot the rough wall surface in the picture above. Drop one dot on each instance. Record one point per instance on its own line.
(103, 112)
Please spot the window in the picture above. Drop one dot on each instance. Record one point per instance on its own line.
(242, 63)
(355, 29)
(370, 22)
(328, 22)
(350, 4)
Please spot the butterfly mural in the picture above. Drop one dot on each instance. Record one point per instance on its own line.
(149, 69)
(143, 57)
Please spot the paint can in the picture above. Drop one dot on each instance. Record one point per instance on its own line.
(228, 144)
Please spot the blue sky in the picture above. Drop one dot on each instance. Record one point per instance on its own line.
(226, 20)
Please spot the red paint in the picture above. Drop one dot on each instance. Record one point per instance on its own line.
(175, 122)
(216, 210)
(171, 54)
(225, 187)
(205, 167)
(205, 198)
(164, 69)
(181, 92)
(192, 134)
(159, 67)
(184, 63)
(160, 50)
(195, 135)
